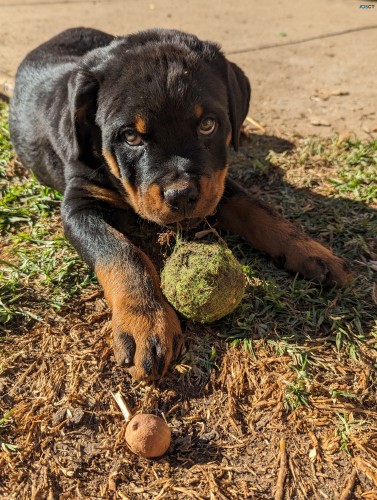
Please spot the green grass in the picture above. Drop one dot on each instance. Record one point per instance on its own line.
(6, 152)
(347, 426)
(26, 203)
(298, 310)
(356, 175)
(5, 421)
(38, 267)
(48, 273)
(298, 389)
(329, 188)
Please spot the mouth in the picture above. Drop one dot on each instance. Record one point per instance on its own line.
(187, 222)
(168, 217)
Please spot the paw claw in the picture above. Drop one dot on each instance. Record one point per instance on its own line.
(145, 345)
(124, 349)
(156, 360)
(317, 263)
(315, 269)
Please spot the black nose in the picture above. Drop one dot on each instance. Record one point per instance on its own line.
(182, 198)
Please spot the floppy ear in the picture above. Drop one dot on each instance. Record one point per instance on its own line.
(239, 92)
(85, 134)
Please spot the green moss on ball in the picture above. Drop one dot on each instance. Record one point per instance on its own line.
(203, 281)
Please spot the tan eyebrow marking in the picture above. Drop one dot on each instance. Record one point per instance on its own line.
(198, 110)
(140, 125)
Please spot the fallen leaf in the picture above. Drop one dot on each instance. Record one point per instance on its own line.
(313, 454)
(343, 137)
(325, 93)
(319, 122)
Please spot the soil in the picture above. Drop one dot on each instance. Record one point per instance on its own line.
(233, 435)
(311, 64)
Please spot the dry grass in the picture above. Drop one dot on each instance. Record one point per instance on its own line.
(277, 400)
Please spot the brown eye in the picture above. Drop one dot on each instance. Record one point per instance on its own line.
(207, 126)
(132, 138)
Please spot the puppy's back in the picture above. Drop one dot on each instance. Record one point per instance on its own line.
(41, 89)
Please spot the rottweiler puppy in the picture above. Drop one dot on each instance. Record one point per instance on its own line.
(143, 123)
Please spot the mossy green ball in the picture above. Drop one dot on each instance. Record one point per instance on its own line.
(203, 281)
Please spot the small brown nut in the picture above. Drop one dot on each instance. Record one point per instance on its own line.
(148, 435)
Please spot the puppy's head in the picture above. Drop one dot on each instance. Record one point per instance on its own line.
(162, 107)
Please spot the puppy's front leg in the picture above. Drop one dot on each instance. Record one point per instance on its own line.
(267, 231)
(146, 329)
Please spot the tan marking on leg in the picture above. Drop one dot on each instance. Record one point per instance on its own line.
(228, 138)
(262, 228)
(107, 195)
(267, 231)
(131, 314)
(115, 276)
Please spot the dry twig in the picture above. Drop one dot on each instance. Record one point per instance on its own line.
(125, 409)
(279, 493)
(347, 492)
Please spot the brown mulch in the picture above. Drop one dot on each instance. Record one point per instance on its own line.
(229, 424)
(234, 434)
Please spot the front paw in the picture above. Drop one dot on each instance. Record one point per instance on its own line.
(316, 263)
(146, 339)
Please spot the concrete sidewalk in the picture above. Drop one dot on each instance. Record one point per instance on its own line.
(312, 65)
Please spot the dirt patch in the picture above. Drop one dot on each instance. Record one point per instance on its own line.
(281, 393)
(311, 65)
(226, 430)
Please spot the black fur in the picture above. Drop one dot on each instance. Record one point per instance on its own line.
(77, 96)
(143, 122)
